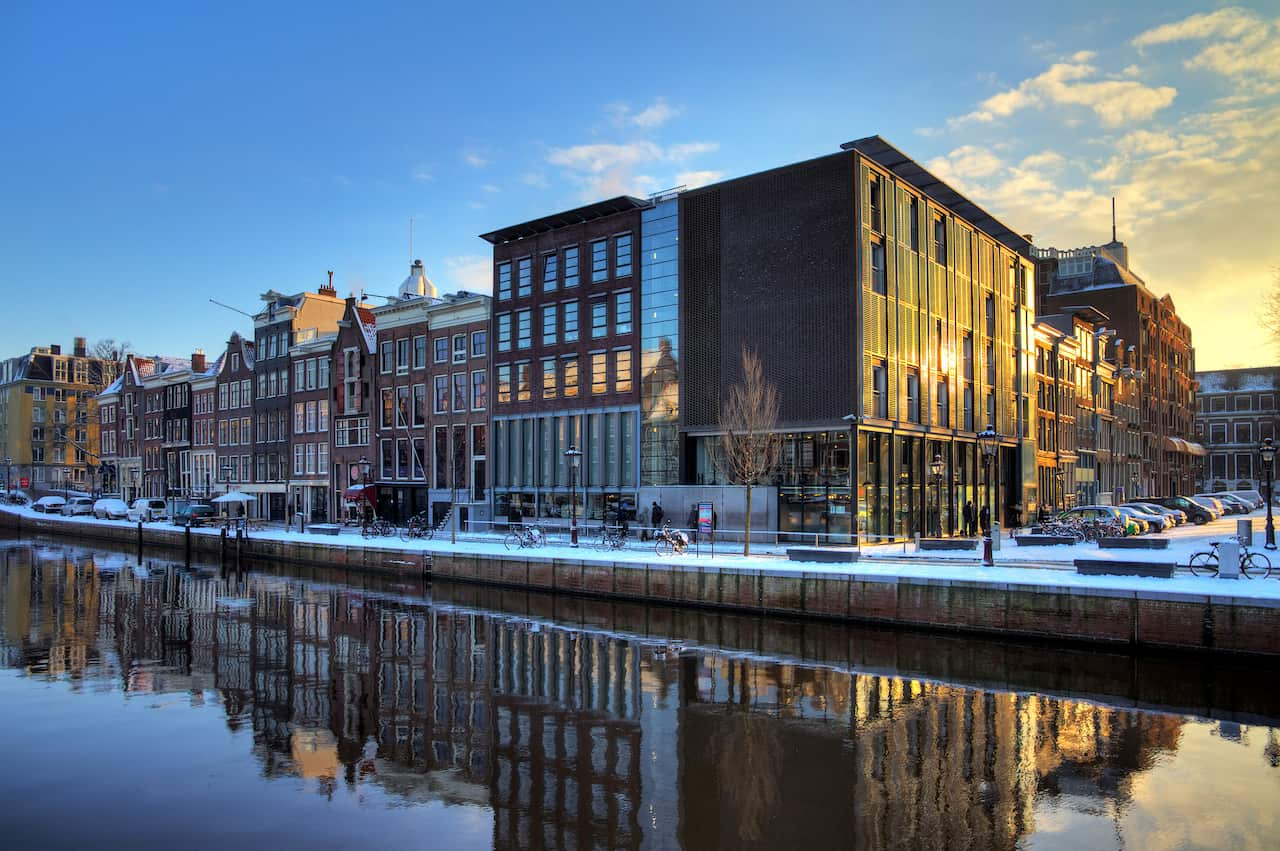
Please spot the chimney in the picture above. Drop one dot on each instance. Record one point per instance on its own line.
(1027, 237)
(197, 361)
(55, 349)
(80, 348)
(328, 288)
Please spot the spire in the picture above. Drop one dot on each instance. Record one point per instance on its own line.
(1113, 218)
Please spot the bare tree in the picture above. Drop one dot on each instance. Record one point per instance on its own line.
(1269, 318)
(750, 445)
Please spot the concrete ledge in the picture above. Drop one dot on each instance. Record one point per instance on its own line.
(1044, 540)
(933, 544)
(1133, 543)
(1104, 567)
(830, 555)
(324, 528)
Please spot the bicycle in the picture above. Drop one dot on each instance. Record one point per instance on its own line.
(668, 542)
(611, 538)
(523, 537)
(378, 528)
(418, 527)
(1208, 563)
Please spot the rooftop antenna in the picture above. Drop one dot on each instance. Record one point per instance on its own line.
(1113, 218)
(411, 235)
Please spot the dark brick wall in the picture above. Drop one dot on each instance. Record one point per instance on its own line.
(769, 260)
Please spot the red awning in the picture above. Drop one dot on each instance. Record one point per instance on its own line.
(359, 492)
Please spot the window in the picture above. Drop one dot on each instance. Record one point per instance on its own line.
(879, 283)
(419, 411)
(570, 377)
(460, 391)
(1244, 403)
(459, 348)
(524, 328)
(599, 318)
(599, 260)
(550, 270)
(384, 364)
(571, 322)
(504, 281)
(1244, 465)
(262, 390)
(914, 212)
(879, 390)
(876, 204)
(504, 383)
(322, 373)
(299, 418)
(402, 406)
(385, 460)
(235, 362)
(388, 405)
(968, 408)
(442, 394)
(311, 373)
(1266, 402)
(524, 276)
(311, 459)
(311, 417)
(944, 404)
(1244, 432)
(420, 352)
(549, 384)
(940, 240)
(622, 313)
(524, 381)
(246, 393)
(297, 459)
(622, 255)
(599, 373)
(1217, 403)
(479, 390)
(504, 332)
(913, 395)
(402, 356)
(622, 371)
(571, 266)
(991, 409)
(479, 344)
(235, 394)
(441, 347)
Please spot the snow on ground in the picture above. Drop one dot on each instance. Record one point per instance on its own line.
(1042, 566)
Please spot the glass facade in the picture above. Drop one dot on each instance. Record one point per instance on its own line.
(659, 344)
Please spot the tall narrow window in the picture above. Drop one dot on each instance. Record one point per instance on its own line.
(599, 260)
(550, 318)
(622, 371)
(504, 383)
(622, 255)
(524, 381)
(524, 276)
(504, 281)
(940, 240)
(460, 391)
(459, 348)
(441, 394)
(524, 328)
(878, 280)
(876, 204)
(599, 318)
(402, 359)
(879, 390)
(914, 213)
(622, 313)
(913, 395)
(599, 373)
(550, 270)
(504, 332)
(571, 322)
(571, 266)
(570, 377)
(479, 390)
(549, 378)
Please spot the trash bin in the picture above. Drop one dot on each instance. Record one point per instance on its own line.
(302, 521)
(995, 536)
(1244, 531)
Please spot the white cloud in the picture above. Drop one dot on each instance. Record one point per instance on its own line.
(1115, 102)
(474, 159)
(652, 116)
(605, 169)
(471, 272)
(1241, 46)
(536, 179)
(423, 175)
(688, 150)
(1229, 23)
(694, 179)
(489, 187)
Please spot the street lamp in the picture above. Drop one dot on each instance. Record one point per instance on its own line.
(989, 442)
(935, 470)
(574, 456)
(226, 475)
(852, 420)
(1267, 452)
(66, 483)
(1060, 491)
(8, 474)
(366, 469)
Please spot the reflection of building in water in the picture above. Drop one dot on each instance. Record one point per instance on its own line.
(575, 737)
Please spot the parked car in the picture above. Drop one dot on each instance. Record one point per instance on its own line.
(1102, 514)
(1210, 503)
(1227, 505)
(195, 515)
(147, 509)
(1242, 506)
(109, 508)
(1153, 521)
(49, 505)
(1250, 496)
(1196, 513)
(77, 505)
(1176, 516)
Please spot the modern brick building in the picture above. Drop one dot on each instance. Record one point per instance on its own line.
(566, 345)
(1236, 411)
(1162, 355)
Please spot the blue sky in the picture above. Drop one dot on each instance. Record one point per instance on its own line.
(152, 160)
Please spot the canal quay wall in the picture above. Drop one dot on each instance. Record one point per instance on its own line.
(1039, 610)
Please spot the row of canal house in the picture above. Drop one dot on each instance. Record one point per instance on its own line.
(896, 318)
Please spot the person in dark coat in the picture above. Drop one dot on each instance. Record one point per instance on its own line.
(656, 516)
(514, 518)
(984, 519)
(693, 523)
(970, 519)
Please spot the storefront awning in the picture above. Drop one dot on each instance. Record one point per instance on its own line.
(360, 492)
(1197, 449)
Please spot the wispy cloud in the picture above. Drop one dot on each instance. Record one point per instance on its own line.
(649, 118)
(694, 179)
(603, 169)
(474, 158)
(491, 188)
(422, 174)
(536, 179)
(1239, 45)
(1069, 83)
(470, 272)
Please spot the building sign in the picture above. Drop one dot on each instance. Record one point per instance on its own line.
(706, 518)
(24, 482)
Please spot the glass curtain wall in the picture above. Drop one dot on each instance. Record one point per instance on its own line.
(660, 344)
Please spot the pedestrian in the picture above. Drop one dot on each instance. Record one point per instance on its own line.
(693, 522)
(643, 519)
(984, 519)
(514, 518)
(656, 516)
(970, 519)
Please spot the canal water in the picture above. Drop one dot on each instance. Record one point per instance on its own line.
(157, 705)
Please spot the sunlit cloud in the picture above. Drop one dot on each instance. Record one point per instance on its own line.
(470, 272)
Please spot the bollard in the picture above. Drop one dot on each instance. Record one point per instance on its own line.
(222, 549)
(995, 536)
(139, 542)
(1229, 559)
(239, 539)
(187, 544)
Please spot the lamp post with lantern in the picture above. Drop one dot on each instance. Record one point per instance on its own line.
(935, 473)
(366, 469)
(574, 456)
(989, 443)
(1267, 453)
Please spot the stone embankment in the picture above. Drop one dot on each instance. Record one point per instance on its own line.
(1051, 609)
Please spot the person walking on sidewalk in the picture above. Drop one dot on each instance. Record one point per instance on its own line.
(970, 519)
(643, 519)
(984, 519)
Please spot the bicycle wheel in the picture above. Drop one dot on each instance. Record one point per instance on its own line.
(1258, 563)
(536, 536)
(408, 531)
(1204, 564)
(513, 541)
(664, 547)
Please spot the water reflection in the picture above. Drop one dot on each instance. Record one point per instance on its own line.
(577, 735)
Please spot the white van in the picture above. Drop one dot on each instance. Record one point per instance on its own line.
(147, 509)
